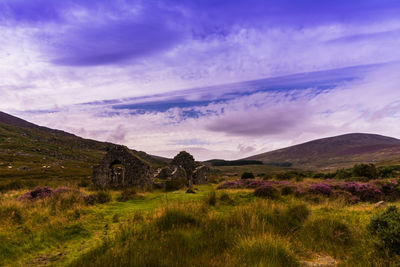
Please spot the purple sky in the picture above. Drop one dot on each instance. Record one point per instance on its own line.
(221, 79)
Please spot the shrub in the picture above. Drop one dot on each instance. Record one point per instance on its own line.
(267, 191)
(343, 174)
(175, 184)
(38, 192)
(84, 183)
(366, 192)
(365, 170)
(90, 199)
(103, 197)
(247, 175)
(346, 196)
(386, 227)
(288, 190)
(321, 188)
(212, 198)
(127, 194)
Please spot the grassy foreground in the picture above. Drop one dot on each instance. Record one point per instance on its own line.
(223, 228)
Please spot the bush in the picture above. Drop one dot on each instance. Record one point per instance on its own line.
(321, 188)
(343, 174)
(90, 199)
(103, 197)
(365, 170)
(386, 172)
(247, 175)
(84, 183)
(318, 175)
(38, 192)
(267, 191)
(212, 198)
(366, 192)
(127, 194)
(175, 184)
(386, 227)
(288, 190)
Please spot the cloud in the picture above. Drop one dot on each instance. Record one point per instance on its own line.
(246, 124)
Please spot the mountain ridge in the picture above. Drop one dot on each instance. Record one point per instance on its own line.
(24, 144)
(337, 151)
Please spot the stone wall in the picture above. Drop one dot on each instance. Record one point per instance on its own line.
(121, 168)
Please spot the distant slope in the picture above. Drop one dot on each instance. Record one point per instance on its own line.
(334, 152)
(24, 144)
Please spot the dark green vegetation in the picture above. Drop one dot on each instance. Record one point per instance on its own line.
(386, 227)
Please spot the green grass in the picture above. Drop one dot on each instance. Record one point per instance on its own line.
(180, 229)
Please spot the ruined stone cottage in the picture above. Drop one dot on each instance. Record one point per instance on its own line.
(121, 168)
(183, 166)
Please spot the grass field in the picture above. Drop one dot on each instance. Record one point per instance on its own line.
(209, 228)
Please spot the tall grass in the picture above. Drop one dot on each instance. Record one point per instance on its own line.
(262, 233)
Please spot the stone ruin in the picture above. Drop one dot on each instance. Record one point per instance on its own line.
(121, 168)
(183, 166)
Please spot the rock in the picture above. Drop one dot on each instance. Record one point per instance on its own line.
(121, 168)
(379, 204)
(320, 262)
(23, 168)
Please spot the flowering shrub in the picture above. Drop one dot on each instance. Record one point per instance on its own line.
(321, 188)
(346, 196)
(38, 192)
(365, 191)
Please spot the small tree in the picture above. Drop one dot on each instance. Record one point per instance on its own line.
(247, 175)
(365, 170)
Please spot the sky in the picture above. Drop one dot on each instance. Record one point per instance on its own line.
(220, 79)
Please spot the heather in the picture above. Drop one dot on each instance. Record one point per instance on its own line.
(372, 191)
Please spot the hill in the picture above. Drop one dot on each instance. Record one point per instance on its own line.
(336, 152)
(29, 150)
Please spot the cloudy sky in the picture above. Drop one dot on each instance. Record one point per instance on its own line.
(221, 79)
